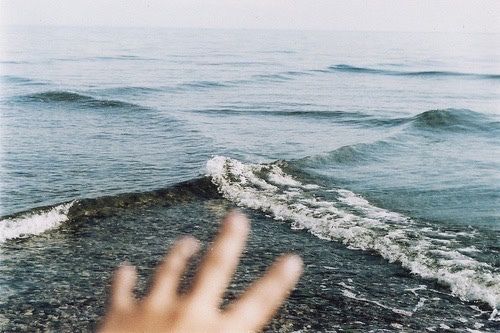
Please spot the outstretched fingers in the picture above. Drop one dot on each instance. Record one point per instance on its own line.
(221, 260)
(259, 303)
(122, 297)
(169, 272)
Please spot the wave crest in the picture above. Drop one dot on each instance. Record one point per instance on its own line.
(39, 220)
(368, 70)
(34, 222)
(452, 119)
(77, 98)
(341, 215)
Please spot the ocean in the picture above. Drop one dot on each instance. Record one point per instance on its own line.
(373, 155)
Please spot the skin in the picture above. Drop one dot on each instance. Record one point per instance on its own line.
(165, 310)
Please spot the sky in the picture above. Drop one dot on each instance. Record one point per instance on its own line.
(353, 15)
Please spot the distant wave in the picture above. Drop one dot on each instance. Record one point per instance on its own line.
(238, 63)
(439, 120)
(16, 79)
(20, 80)
(13, 62)
(454, 120)
(107, 58)
(256, 78)
(349, 155)
(288, 110)
(272, 77)
(129, 90)
(343, 216)
(280, 52)
(368, 70)
(202, 84)
(76, 98)
(445, 120)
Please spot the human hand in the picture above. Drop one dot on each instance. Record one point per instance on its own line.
(165, 310)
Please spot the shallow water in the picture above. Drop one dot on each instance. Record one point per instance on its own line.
(371, 154)
(50, 276)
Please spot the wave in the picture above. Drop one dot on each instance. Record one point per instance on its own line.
(349, 155)
(368, 70)
(20, 80)
(286, 110)
(439, 120)
(129, 90)
(33, 222)
(76, 98)
(14, 62)
(453, 120)
(202, 84)
(239, 63)
(279, 52)
(281, 76)
(108, 205)
(41, 219)
(106, 58)
(116, 57)
(340, 215)
(271, 77)
(441, 124)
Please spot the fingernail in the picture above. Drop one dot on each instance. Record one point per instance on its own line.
(125, 263)
(189, 244)
(126, 269)
(293, 264)
(237, 220)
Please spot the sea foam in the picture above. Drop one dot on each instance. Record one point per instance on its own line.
(354, 221)
(34, 222)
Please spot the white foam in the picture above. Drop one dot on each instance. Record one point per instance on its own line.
(414, 290)
(33, 223)
(350, 294)
(278, 177)
(478, 325)
(353, 220)
(420, 304)
(371, 211)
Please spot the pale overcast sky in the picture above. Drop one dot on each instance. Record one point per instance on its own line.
(374, 15)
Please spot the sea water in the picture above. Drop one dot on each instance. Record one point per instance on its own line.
(375, 156)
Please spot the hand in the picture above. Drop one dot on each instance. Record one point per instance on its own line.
(165, 310)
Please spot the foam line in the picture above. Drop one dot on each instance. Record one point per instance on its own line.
(352, 220)
(34, 223)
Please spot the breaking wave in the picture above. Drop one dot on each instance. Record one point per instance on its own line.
(41, 219)
(341, 215)
(334, 214)
(33, 222)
